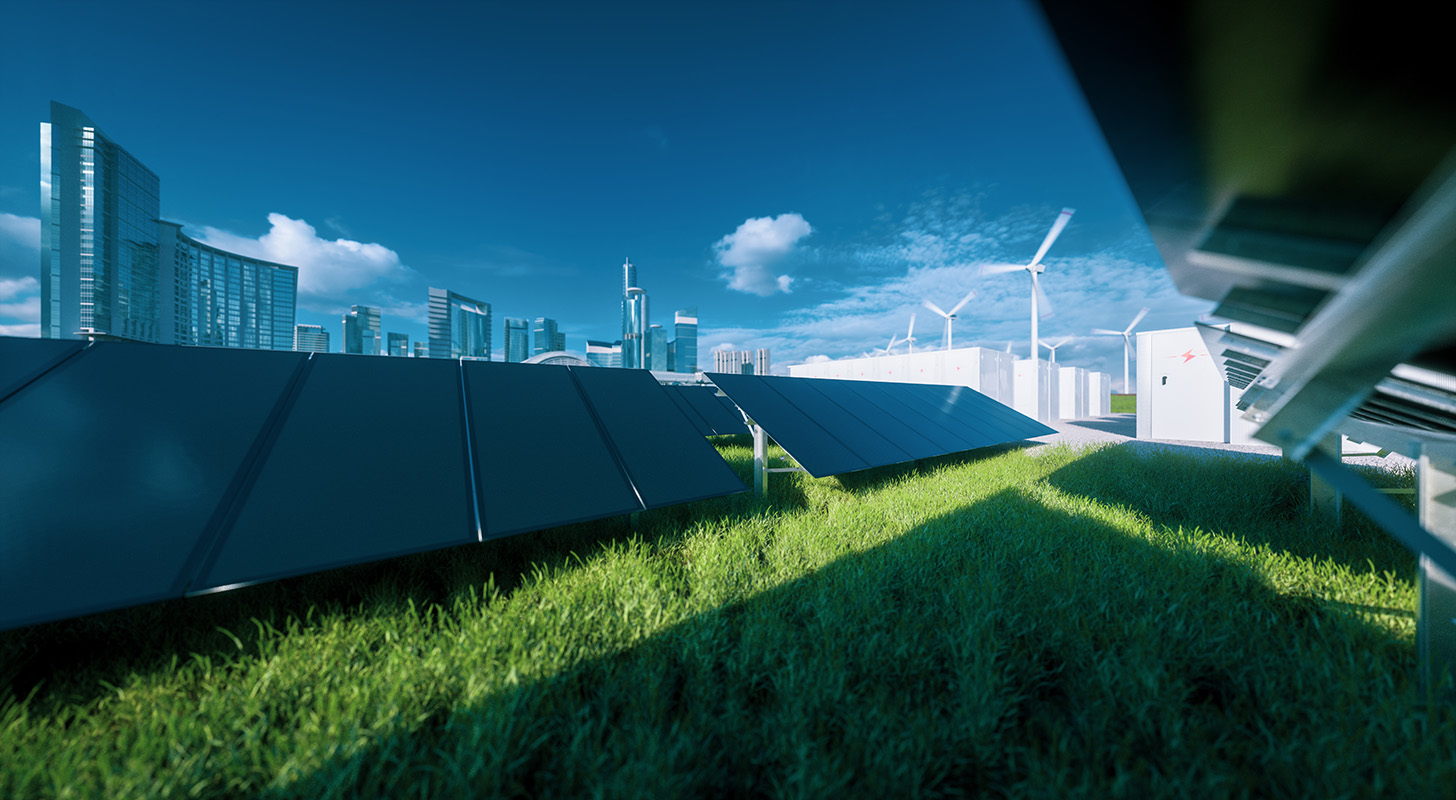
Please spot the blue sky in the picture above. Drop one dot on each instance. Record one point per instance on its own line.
(804, 174)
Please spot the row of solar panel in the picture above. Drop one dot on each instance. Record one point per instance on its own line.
(832, 426)
(132, 473)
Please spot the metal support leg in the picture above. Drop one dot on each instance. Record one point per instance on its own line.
(760, 456)
(1325, 499)
(1436, 588)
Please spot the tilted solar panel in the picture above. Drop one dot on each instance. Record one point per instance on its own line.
(665, 457)
(676, 394)
(834, 426)
(370, 463)
(721, 416)
(23, 360)
(113, 466)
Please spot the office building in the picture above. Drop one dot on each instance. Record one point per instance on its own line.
(459, 326)
(421, 350)
(518, 339)
(112, 269)
(656, 348)
(310, 339)
(548, 338)
(100, 270)
(361, 330)
(398, 344)
(629, 279)
(760, 362)
(743, 362)
(672, 356)
(214, 298)
(634, 340)
(604, 354)
(685, 348)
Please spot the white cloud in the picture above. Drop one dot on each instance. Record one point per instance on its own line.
(31, 330)
(13, 288)
(751, 251)
(22, 231)
(27, 309)
(326, 268)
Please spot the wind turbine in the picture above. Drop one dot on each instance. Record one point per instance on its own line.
(1053, 347)
(891, 345)
(1126, 343)
(910, 334)
(1038, 296)
(951, 314)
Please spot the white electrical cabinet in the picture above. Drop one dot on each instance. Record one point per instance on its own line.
(1181, 394)
(989, 372)
(1099, 394)
(1072, 393)
(1032, 389)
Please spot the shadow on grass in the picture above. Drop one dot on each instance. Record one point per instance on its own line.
(1121, 424)
(1003, 648)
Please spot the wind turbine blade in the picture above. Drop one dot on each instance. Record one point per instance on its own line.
(1106, 332)
(964, 300)
(1046, 244)
(933, 307)
(999, 269)
(1137, 319)
(910, 334)
(1063, 341)
(1043, 303)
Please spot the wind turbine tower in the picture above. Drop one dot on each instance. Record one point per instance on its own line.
(1126, 335)
(949, 315)
(1041, 306)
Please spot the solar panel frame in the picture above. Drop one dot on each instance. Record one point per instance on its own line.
(815, 449)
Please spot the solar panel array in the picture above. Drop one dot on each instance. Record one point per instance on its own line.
(131, 473)
(835, 426)
(711, 413)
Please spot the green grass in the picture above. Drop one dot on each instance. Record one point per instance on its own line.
(1124, 404)
(1075, 623)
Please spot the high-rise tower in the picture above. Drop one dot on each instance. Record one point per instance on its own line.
(98, 254)
(459, 326)
(634, 339)
(629, 279)
(685, 333)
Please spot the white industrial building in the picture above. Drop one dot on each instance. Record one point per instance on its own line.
(1181, 394)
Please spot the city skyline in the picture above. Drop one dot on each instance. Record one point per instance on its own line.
(805, 183)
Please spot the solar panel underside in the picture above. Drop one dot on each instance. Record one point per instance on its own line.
(831, 427)
(370, 463)
(112, 466)
(718, 416)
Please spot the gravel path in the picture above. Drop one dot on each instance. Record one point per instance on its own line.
(1122, 429)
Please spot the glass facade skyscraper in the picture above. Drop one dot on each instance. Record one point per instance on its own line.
(634, 340)
(214, 298)
(398, 344)
(656, 348)
(310, 339)
(604, 354)
(685, 338)
(548, 337)
(100, 269)
(629, 279)
(361, 330)
(518, 339)
(459, 326)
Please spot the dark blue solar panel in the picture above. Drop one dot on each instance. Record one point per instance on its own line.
(665, 457)
(540, 458)
(370, 463)
(23, 360)
(809, 418)
(816, 450)
(699, 424)
(721, 416)
(113, 467)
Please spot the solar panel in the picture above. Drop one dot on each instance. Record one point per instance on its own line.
(817, 450)
(838, 426)
(664, 455)
(370, 463)
(691, 414)
(23, 360)
(540, 458)
(718, 412)
(114, 465)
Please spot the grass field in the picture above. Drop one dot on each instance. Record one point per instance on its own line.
(1123, 404)
(1072, 623)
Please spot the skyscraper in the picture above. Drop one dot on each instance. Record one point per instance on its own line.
(310, 339)
(422, 350)
(656, 348)
(548, 338)
(398, 344)
(629, 279)
(361, 330)
(604, 354)
(634, 339)
(518, 339)
(214, 298)
(98, 253)
(459, 326)
(760, 362)
(685, 332)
